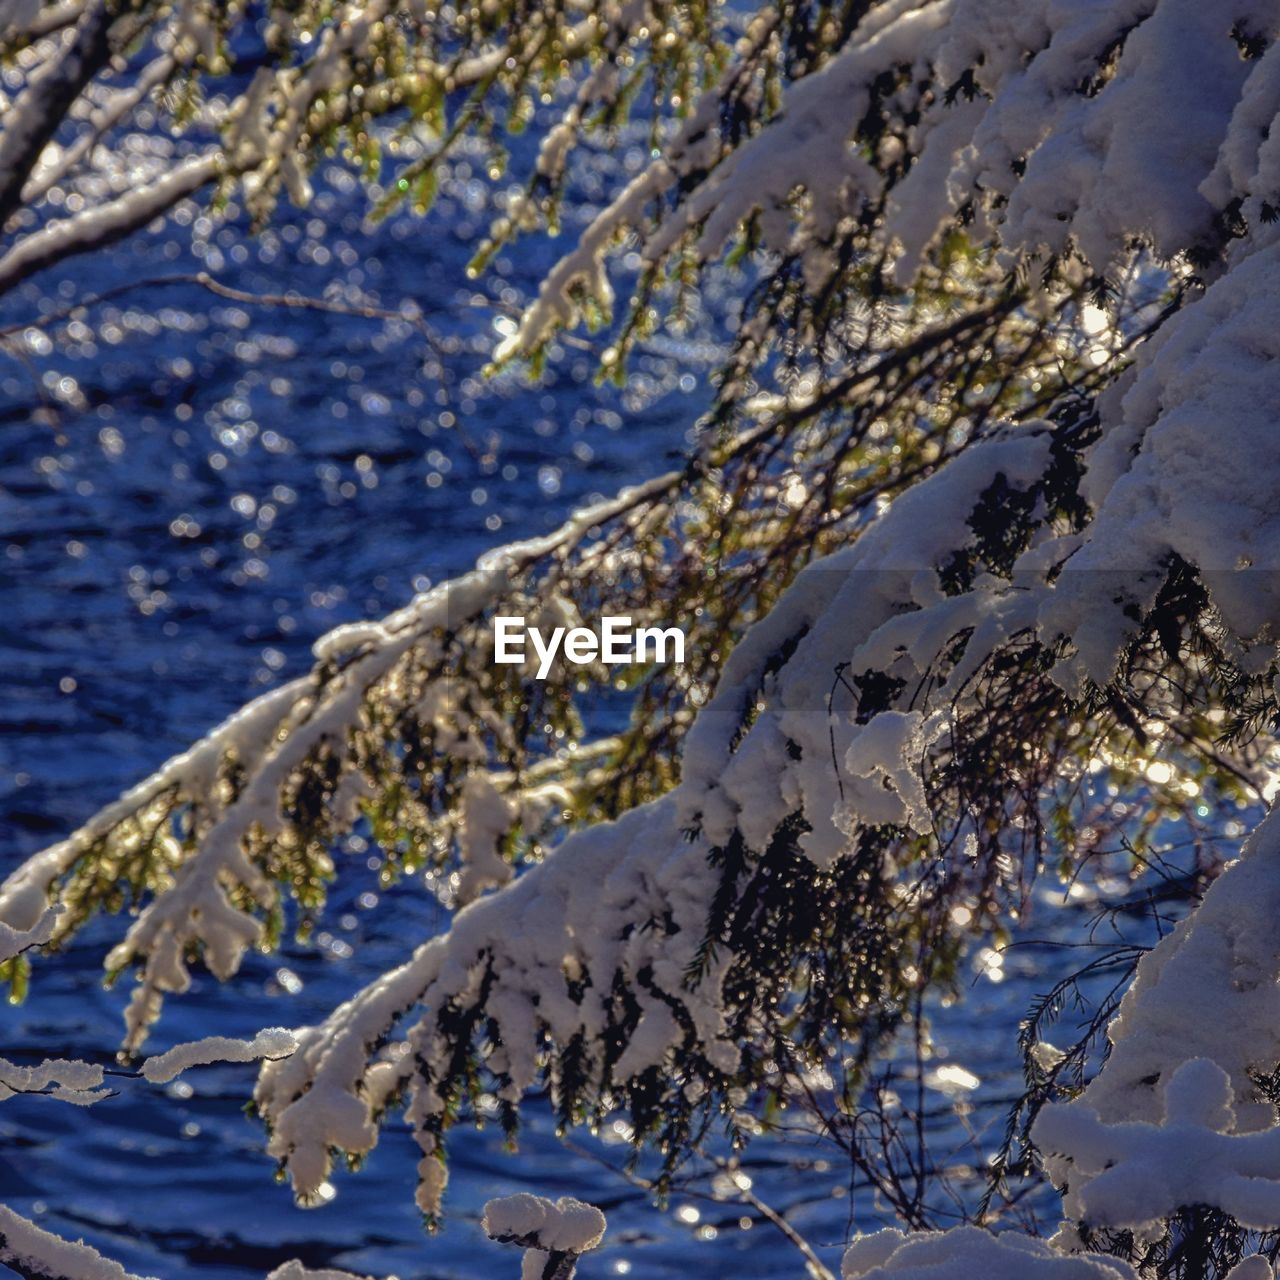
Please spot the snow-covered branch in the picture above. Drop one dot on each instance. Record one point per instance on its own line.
(33, 119)
(106, 223)
(270, 1043)
(403, 723)
(79, 1083)
(1181, 1114)
(1011, 140)
(966, 1252)
(36, 1254)
(554, 1234)
(13, 942)
(74, 102)
(1060, 584)
(268, 743)
(778, 776)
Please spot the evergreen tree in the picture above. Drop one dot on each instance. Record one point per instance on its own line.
(977, 551)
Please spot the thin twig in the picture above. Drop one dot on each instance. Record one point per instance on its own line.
(204, 280)
(820, 1270)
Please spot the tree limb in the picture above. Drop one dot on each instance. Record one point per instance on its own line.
(108, 223)
(36, 116)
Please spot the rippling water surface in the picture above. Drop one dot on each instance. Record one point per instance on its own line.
(192, 489)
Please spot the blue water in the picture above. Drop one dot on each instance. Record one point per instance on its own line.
(191, 491)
